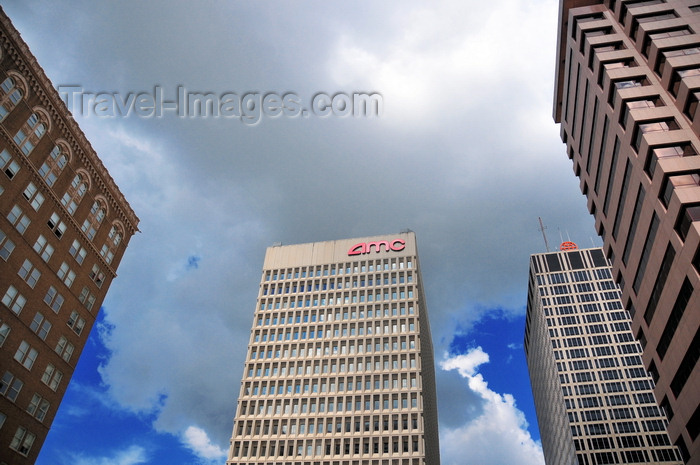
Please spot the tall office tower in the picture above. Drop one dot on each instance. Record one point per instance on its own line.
(64, 226)
(339, 368)
(626, 95)
(594, 400)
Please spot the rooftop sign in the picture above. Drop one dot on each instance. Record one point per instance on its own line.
(568, 245)
(366, 247)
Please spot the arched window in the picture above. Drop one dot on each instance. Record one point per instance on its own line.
(94, 219)
(11, 94)
(113, 240)
(115, 236)
(98, 211)
(71, 199)
(52, 167)
(30, 133)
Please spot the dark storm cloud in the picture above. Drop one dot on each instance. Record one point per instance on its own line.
(465, 154)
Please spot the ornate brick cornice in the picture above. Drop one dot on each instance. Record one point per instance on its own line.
(17, 50)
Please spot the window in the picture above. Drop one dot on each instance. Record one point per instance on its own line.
(658, 153)
(693, 425)
(678, 76)
(97, 275)
(665, 33)
(674, 318)
(71, 199)
(107, 254)
(8, 165)
(94, 219)
(65, 274)
(692, 106)
(29, 134)
(41, 326)
(38, 407)
(53, 299)
(11, 95)
(33, 196)
(78, 252)
(687, 365)
(664, 56)
(115, 236)
(605, 67)
(43, 248)
(76, 323)
(678, 181)
(647, 18)
(4, 332)
(56, 225)
(29, 273)
(53, 165)
(14, 300)
(6, 246)
(87, 298)
(51, 377)
(22, 441)
(587, 34)
(26, 355)
(18, 219)
(88, 229)
(624, 8)
(626, 83)
(649, 127)
(64, 348)
(10, 386)
(630, 105)
(687, 216)
(623, 198)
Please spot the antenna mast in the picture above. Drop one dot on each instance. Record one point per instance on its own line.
(542, 228)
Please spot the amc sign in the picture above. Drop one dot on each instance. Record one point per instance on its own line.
(366, 247)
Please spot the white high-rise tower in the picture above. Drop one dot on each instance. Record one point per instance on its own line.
(339, 368)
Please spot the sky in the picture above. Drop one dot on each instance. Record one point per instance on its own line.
(464, 152)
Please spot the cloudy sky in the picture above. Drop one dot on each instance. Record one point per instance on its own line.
(465, 153)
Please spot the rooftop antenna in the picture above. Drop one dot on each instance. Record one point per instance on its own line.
(542, 228)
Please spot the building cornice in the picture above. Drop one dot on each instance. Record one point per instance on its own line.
(564, 7)
(25, 62)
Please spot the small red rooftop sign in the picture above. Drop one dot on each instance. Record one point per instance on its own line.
(366, 247)
(568, 245)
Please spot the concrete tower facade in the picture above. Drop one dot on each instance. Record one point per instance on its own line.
(626, 95)
(339, 368)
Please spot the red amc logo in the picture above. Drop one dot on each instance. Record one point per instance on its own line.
(363, 248)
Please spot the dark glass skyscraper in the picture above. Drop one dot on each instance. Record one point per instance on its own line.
(594, 400)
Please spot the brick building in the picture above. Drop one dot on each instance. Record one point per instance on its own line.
(64, 226)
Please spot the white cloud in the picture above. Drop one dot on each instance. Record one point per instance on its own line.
(197, 440)
(467, 363)
(133, 455)
(429, 72)
(498, 435)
